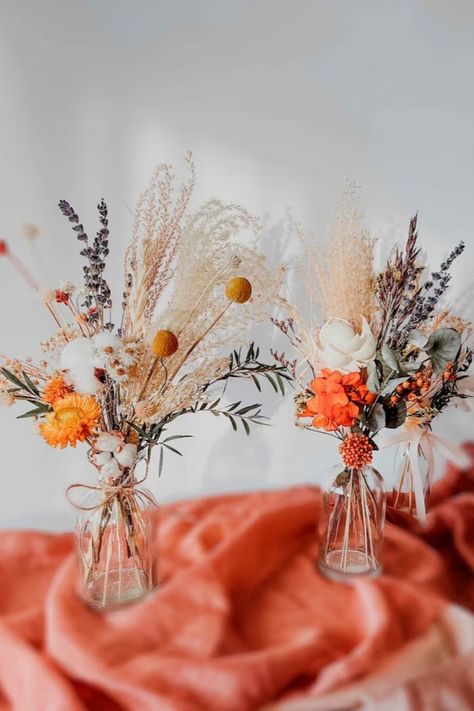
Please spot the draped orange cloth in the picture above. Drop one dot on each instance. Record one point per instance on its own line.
(243, 620)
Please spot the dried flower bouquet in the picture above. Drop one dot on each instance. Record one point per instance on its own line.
(387, 355)
(193, 286)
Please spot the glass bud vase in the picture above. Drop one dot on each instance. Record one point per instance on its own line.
(116, 542)
(351, 524)
(412, 483)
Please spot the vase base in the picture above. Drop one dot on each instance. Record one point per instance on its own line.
(343, 566)
(116, 588)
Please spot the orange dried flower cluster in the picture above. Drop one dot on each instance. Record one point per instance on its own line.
(356, 451)
(413, 388)
(338, 399)
(74, 419)
(55, 388)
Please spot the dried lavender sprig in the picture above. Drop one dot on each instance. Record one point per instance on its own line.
(97, 289)
(424, 302)
(398, 281)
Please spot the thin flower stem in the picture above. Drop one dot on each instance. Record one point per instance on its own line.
(197, 342)
(329, 434)
(23, 271)
(202, 296)
(345, 545)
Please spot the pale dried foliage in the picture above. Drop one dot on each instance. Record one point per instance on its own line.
(214, 244)
(339, 276)
(447, 319)
(304, 341)
(150, 260)
(336, 278)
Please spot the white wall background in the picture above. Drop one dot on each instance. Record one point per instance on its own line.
(279, 100)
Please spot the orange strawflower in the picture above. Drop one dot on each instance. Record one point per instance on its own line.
(356, 451)
(337, 399)
(73, 420)
(55, 388)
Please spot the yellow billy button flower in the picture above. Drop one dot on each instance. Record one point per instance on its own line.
(238, 289)
(164, 344)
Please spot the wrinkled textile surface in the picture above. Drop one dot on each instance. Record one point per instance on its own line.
(243, 620)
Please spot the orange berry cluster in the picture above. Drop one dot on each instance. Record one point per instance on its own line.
(412, 388)
(356, 451)
(448, 373)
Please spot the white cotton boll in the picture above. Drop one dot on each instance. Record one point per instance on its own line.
(110, 468)
(101, 458)
(107, 442)
(76, 352)
(127, 455)
(105, 339)
(84, 380)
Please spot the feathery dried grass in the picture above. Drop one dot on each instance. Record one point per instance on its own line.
(150, 261)
(216, 243)
(339, 276)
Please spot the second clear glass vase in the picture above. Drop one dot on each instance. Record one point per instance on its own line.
(412, 483)
(351, 524)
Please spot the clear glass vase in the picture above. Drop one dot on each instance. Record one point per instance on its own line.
(351, 524)
(116, 542)
(404, 496)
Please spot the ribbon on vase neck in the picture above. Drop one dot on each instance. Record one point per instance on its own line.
(421, 439)
(110, 489)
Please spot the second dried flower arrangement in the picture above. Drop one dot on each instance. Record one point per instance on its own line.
(192, 289)
(386, 355)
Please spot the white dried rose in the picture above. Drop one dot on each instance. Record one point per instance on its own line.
(342, 348)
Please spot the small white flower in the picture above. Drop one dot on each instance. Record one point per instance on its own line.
(341, 348)
(6, 399)
(67, 286)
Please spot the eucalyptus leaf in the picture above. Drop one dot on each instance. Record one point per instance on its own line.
(415, 338)
(373, 380)
(395, 416)
(409, 366)
(390, 358)
(13, 379)
(37, 412)
(442, 347)
(376, 418)
(160, 465)
(30, 384)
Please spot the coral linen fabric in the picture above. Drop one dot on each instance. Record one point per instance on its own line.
(244, 621)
